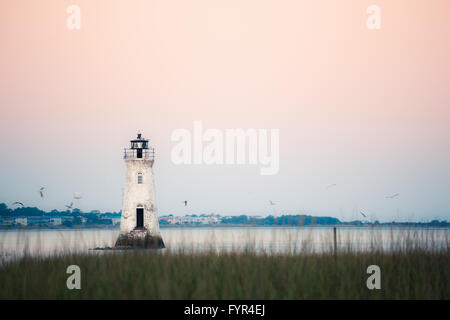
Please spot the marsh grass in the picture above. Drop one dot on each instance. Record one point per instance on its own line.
(414, 265)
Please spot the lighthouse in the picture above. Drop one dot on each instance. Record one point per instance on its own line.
(139, 225)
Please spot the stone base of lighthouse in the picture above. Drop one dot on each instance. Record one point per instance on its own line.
(140, 239)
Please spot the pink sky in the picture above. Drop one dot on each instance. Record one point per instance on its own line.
(367, 110)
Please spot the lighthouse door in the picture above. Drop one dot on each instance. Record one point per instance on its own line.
(139, 217)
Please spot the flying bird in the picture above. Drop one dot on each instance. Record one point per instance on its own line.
(41, 192)
(331, 185)
(393, 196)
(19, 203)
(69, 206)
(363, 214)
(272, 203)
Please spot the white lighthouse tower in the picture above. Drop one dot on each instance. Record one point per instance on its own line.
(139, 225)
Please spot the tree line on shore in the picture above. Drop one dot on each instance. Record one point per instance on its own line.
(96, 217)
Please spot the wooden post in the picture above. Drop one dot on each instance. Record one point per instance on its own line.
(335, 241)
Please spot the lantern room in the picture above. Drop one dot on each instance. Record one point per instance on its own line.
(139, 149)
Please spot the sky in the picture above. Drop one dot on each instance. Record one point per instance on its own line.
(367, 110)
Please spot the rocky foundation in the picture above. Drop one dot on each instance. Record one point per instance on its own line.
(140, 240)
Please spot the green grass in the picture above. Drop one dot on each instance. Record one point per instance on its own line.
(406, 274)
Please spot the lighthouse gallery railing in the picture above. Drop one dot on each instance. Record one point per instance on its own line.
(148, 154)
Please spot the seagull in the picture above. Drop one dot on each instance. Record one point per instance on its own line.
(272, 203)
(363, 214)
(19, 203)
(185, 203)
(70, 206)
(41, 192)
(331, 185)
(393, 196)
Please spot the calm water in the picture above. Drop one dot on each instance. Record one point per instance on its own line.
(269, 239)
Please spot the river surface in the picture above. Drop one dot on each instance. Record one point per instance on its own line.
(259, 239)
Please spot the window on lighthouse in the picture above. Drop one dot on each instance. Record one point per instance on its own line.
(139, 178)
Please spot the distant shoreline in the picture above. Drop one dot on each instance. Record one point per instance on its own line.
(31, 218)
(226, 226)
